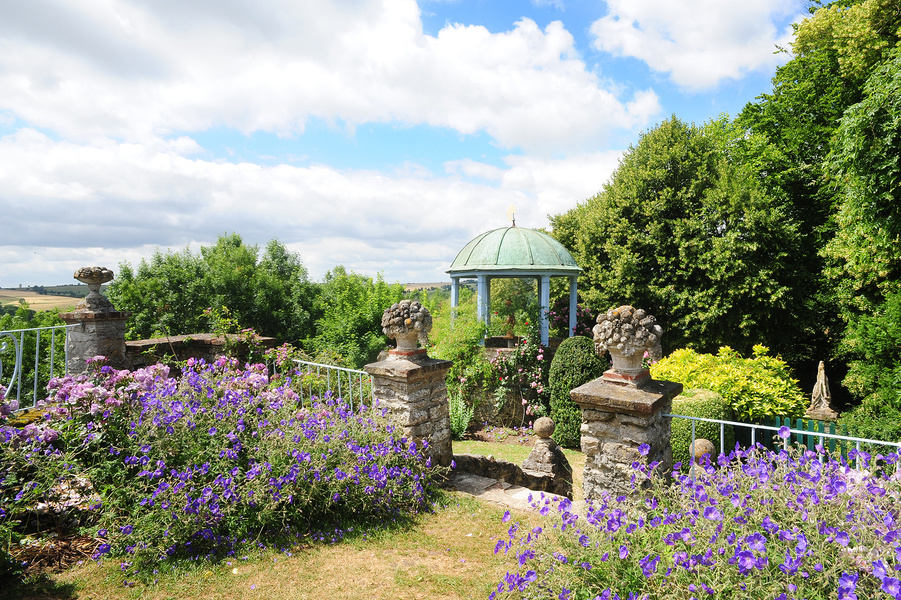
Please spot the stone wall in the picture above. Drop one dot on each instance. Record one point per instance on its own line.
(488, 466)
(95, 333)
(206, 346)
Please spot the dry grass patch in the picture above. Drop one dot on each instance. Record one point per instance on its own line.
(447, 555)
(35, 301)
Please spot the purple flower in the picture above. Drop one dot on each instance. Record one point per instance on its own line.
(712, 513)
(506, 516)
(892, 587)
(644, 449)
(784, 432)
(623, 552)
(846, 586)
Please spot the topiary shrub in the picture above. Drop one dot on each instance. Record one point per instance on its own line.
(575, 363)
(753, 388)
(699, 403)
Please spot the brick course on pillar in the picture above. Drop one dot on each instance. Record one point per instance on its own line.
(412, 386)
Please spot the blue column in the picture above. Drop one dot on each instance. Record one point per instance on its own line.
(573, 298)
(544, 295)
(484, 298)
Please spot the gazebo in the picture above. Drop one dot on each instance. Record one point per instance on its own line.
(515, 252)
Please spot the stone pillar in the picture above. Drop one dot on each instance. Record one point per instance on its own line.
(413, 387)
(100, 327)
(411, 384)
(616, 420)
(623, 409)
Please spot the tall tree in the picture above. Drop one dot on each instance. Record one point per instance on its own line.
(684, 230)
(866, 171)
(349, 311)
(172, 293)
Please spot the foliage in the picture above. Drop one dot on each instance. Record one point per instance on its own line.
(348, 312)
(699, 403)
(689, 234)
(460, 415)
(558, 318)
(756, 525)
(24, 318)
(200, 464)
(523, 372)
(516, 298)
(877, 418)
(861, 34)
(575, 362)
(867, 264)
(753, 388)
(170, 294)
(457, 335)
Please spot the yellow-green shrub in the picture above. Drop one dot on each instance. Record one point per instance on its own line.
(753, 388)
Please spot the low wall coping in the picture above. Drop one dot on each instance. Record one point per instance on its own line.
(641, 401)
(403, 368)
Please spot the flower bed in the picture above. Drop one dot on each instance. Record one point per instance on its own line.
(796, 524)
(199, 464)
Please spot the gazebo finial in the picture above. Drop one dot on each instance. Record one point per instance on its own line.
(511, 214)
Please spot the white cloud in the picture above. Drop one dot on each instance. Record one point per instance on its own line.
(135, 70)
(698, 42)
(68, 204)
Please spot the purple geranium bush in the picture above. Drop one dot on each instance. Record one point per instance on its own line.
(196, 464)
(756, 524)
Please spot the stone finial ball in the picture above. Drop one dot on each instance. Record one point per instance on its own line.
(544, 427)
(700, 448)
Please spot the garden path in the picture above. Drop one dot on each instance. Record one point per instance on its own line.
(496, 491)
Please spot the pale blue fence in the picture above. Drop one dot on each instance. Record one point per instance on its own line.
(29, 358)
(768, 436)
(318, 381)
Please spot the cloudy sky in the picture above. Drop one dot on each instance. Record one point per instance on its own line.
(377, 134)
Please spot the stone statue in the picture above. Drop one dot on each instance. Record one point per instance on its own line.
(820, 407)
(407, 321)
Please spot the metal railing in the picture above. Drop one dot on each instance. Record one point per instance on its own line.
(26, 379)
(799, 434)
(320, 381)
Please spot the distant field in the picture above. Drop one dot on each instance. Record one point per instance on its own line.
(36, 301)
(425, 286)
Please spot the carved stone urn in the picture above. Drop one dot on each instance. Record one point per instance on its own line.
(627, 334)
(407, 322)
(628, 364)
(94, 277)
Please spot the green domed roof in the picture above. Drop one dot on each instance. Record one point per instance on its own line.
(514, 249)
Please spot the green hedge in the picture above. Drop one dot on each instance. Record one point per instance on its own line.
(753, 388)
(699, 403)
(575, 363)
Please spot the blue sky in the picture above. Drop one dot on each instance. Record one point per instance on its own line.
(377, 134)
